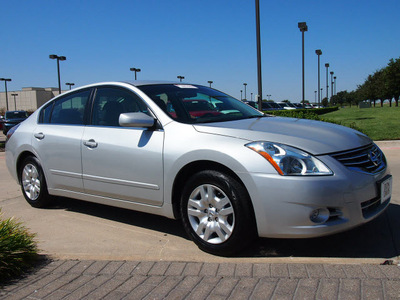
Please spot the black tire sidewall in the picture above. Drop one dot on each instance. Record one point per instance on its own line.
(244, 229)
(43, 198)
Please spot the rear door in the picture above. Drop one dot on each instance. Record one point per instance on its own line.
(57, 139)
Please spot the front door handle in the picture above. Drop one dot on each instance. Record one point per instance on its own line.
(39, 136)
(90, 143)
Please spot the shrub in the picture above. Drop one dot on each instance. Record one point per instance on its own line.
(311, 114)
(18, 250)
(295, 112)
(299, 114)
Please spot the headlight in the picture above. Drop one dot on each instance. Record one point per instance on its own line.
(288, 160)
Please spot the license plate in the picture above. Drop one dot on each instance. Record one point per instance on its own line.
(386, 189)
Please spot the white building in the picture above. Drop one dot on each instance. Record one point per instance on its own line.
(29, 99)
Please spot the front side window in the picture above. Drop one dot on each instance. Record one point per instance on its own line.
(68, 110)
(110, 102)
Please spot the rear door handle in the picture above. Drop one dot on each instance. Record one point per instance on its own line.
(39, 136)
(90, 143)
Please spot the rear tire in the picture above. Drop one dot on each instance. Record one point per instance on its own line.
(217, 213)
(33, 183)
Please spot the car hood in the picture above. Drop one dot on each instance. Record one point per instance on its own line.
(314, 137)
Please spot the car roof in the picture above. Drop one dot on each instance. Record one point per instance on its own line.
(153, 82)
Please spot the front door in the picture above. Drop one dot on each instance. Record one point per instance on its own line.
(121, 163)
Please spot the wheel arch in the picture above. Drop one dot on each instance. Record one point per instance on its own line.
(194, 167)
(23, 155)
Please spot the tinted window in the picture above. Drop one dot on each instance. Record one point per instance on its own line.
(197, 104)
(46, 113)
(67, 110)
(110, 102)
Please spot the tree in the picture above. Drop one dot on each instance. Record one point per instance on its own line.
(340, 98)
(383, 85)
(392, 74)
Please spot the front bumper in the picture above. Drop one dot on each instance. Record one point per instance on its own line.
(283, 205)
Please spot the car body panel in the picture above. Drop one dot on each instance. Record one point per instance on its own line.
(132, 171)
(311, 136)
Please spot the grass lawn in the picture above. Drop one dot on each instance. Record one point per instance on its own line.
(379, 123)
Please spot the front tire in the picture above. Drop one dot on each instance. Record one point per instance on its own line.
(217, 213)
(33, 183)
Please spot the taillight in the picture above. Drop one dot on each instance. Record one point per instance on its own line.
(11, 131)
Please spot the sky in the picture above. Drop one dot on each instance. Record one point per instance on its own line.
(200, 39)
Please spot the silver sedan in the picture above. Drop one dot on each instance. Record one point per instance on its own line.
(228, 171)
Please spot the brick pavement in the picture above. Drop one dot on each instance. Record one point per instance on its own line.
(74, 279)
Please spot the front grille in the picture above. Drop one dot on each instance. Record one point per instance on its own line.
(369, 159)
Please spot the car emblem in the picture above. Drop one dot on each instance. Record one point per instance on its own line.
(374, 157)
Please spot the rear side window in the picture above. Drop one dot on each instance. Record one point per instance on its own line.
(68, 110)
(46, 113)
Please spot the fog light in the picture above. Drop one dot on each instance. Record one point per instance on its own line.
(319, 215)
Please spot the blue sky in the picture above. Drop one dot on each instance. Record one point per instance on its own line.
(201, 40)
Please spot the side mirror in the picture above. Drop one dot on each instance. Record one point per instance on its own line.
(136, 119)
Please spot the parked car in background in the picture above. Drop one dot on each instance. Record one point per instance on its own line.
(286, 106)
(197, 108)
(252, 103)
(12, 118)
(292, 105)
(298, 105)
(271, 106)
(229, 177)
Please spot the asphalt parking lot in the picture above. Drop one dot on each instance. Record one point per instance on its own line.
(75, 233)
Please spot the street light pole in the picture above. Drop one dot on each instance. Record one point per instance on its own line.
(319, 52)
(15, 101)
(135, 70)
(331, 83)
(5, 87)
(334, 79)
(259, 78)
(327, 85)
(303, 28)
(210, 82)
(245, 95)
(53, 56)
(315, 96)
(70, 84)
(180, 78)
(241, 95)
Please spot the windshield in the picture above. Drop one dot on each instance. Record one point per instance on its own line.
(192, 104)
(16, 115)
